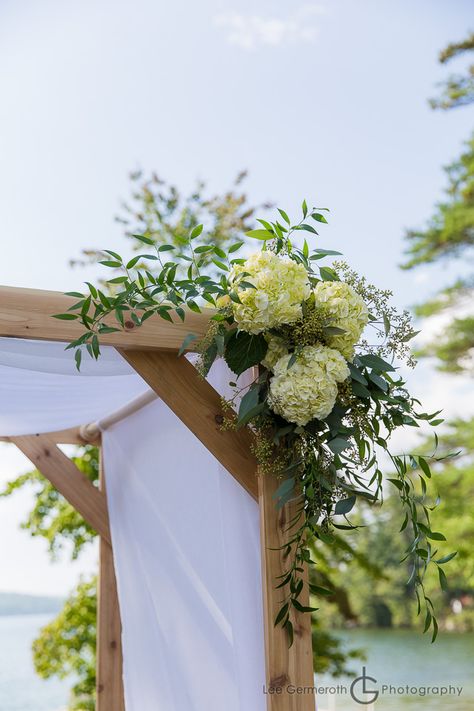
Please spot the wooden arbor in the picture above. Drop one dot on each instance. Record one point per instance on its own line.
(152, 351)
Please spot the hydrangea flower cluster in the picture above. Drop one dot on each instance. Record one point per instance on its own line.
(281, 285)
(348, 312)
(307, 389)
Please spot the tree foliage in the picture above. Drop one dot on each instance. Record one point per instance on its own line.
(66, 646)
(449, 234)
(457, 89)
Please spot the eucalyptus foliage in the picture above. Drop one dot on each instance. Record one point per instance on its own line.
(326, 465)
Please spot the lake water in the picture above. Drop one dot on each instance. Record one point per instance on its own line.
(395, 658)
(399, 658)
(20, 688)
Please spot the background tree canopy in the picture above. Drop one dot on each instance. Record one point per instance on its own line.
(375, 592)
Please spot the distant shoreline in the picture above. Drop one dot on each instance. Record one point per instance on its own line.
(22, 604)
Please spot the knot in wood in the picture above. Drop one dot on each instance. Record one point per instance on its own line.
(129, 325)
(219, 419)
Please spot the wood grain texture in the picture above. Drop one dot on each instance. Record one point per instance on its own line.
(198, 406)
(285, 666)
(28, 313)
(110, 692)
(67, 479)
(72, 435)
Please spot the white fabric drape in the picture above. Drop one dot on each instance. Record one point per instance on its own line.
(42, 391)
(185, 533)
(186, 545)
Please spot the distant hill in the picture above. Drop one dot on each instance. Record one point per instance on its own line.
(19, 604)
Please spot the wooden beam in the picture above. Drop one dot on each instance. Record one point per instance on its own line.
(67, 479)
(198, 406)
(73, 435)
(110, 693)
(27, 313)
(286, 667)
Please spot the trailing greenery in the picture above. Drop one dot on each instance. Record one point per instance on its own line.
(324, 401)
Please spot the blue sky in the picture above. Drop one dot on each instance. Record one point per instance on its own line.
(323, 100)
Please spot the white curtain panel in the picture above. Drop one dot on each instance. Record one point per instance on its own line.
(185, 533)
(187, 557)
(42, 391)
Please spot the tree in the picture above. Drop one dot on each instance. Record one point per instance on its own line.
(458, 89)
(449, 233)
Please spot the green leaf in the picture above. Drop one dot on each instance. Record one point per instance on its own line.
(132, 262)
(360, 390)
(304, 208)
(109, 263)
(338, 444)
(424, 466)
(302, 608)
(356, 374)
(378, 381)
(436, 536)
(318, 590)
(113, 254)
(248, 402)
(285, 489)
(328, 274)
(144, 239)
(66, 317)
(221, 265)
(281, 614)
(244, 350)
(428, 619)
(443, 581)
(370, 360)
(397, 483)
(196, 231)
(260, 234)
(318, 217)
(435, 630)
(446, 558)
(117, 280)
(345, 505)
(188, 339)
(78, 358)
(285, 216)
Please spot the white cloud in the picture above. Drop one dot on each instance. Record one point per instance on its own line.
(251, 31)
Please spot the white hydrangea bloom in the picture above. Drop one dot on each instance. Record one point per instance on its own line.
(276, 350)
(308, 389)
(281, 287)
(348, 311)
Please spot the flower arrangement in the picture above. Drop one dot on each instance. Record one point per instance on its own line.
(323, 401)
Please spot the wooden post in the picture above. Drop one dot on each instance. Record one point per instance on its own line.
(110, 693)
(287, 668)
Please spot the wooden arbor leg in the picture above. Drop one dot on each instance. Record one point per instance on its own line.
(110, 692)
(287, 668)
